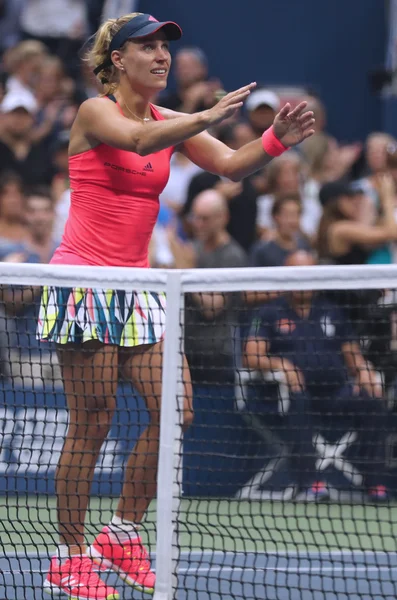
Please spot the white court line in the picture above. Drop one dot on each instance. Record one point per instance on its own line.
(298, 570)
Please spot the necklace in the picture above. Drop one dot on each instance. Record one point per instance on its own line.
(144, 120)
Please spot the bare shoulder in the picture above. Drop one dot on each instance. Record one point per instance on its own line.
(93, 106)
(167, 113)
(91, 113)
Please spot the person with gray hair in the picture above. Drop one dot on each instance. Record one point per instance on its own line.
(209, 317)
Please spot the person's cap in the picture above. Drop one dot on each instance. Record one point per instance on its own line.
(335, 189)
(14, 100)
(140, 27)
(262, 98)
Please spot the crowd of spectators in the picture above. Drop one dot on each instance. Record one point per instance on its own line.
(335, 201)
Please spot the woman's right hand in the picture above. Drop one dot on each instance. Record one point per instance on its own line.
(229, 104)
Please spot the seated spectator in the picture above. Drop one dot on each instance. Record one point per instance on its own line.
(285, 238)
(60, 160)
(56, 110)
(343, 237)
(262, 106)
(310, 341)
(194, 91)
(14, 233)
(286, 175)
(181, 173)
(17, 151)
(315, 104)
(209, 316)
(375, 157)
(326, 161)
(39, 216)
(375, 154)
(23, 64)
(22, 301)
(391, 163)
(241, 196)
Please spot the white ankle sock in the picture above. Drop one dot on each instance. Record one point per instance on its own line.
(122, 530)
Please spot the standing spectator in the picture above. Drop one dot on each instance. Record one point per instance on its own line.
(194, 91)
(17, 151)
(61, 25)
(286, 237)
(262, 106)
(209, 317)
(311, 342)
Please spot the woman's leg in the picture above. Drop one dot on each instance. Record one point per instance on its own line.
(144, 369)
(89, 375)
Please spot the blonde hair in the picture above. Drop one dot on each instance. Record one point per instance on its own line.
(23, 52)
(99, 52)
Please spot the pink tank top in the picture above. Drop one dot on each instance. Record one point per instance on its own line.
(114, 206)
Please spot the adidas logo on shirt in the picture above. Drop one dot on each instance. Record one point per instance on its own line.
(148, 167)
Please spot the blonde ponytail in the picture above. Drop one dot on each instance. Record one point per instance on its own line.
(109, 76)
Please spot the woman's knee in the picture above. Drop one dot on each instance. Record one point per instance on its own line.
(95, 420)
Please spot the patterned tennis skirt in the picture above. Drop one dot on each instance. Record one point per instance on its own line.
(112, 317)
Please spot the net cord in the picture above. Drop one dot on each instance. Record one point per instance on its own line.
(209, 280)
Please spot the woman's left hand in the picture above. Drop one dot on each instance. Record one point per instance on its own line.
(291, 127)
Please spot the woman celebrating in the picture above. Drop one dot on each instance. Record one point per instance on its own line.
(119, 155)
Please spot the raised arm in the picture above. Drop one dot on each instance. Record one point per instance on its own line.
(99, 120)
(290, 128)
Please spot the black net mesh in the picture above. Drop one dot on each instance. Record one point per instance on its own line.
(287, 474)
(289, 467)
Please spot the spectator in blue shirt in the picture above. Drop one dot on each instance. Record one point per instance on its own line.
(311, 342)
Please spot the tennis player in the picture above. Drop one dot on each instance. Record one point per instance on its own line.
(119, 160)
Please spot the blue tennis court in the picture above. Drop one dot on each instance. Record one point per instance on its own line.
(207, 575)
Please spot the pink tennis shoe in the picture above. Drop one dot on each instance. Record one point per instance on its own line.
(77, 579)
(130, 560)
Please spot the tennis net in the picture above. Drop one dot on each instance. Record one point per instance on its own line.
(284, 484)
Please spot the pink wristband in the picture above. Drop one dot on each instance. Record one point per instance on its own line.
(272, 145)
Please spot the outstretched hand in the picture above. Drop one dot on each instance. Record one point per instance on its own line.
(229, 104)
(291, 127)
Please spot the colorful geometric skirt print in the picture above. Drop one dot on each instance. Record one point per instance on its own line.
(113, 317)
